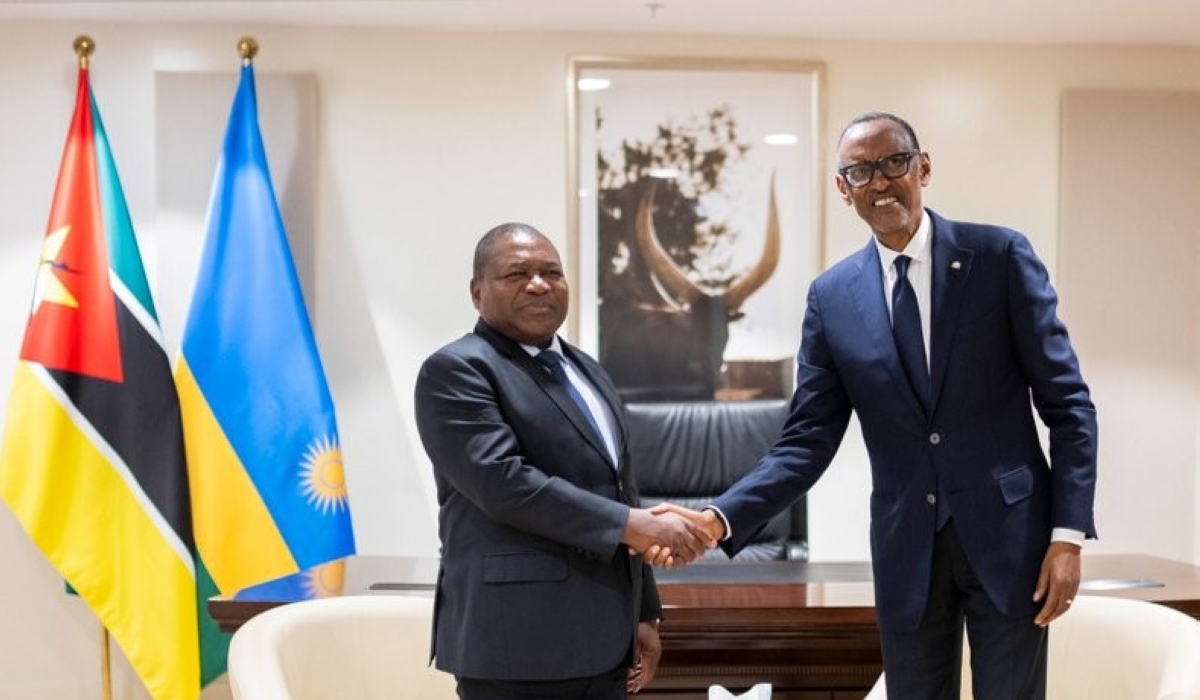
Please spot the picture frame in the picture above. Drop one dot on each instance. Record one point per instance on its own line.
(695, 221)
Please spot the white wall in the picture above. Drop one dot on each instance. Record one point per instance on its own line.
(427, 140)
(1118, 148)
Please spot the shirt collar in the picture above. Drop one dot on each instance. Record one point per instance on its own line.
(918, 246)
(555, 345)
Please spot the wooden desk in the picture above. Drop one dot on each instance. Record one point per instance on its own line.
(806, 628)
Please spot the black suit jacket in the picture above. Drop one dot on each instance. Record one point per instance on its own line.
(534, 583)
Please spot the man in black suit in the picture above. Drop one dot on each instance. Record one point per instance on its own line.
(540, 593)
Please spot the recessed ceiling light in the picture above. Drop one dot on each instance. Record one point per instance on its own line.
(781, 139)
(593, 84)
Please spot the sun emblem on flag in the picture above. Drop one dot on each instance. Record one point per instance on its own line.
(323, 476)
(325, 580)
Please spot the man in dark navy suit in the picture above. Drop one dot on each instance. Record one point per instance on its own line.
(540, 594)
(943, 337)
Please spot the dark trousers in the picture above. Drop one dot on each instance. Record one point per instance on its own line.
(1008, 655)
(606, 686)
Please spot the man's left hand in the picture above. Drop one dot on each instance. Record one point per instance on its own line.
(645, 659)
(1058, 582)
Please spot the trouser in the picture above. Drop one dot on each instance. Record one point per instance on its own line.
(1008, 655)
(606, 686)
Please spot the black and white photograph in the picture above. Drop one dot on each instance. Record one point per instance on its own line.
(697, 227)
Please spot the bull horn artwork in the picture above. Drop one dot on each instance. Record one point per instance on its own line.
(676, 282)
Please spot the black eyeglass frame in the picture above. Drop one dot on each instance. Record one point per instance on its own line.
(881, 166)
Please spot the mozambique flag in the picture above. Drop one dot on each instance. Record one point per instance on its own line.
(264, 462)
(92, 461)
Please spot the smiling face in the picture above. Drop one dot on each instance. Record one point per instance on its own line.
(521, 290)
(891, 207)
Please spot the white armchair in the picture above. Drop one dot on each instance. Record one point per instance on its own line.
(1114, 649)
(354, 647)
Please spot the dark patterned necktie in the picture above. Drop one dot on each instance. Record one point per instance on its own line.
(554, 363)
(906, 329)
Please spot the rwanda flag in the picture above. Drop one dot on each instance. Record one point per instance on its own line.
(265, 466)
(323, 581)
(93, 461)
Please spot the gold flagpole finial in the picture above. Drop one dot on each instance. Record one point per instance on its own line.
(247, 49)
(84, 45)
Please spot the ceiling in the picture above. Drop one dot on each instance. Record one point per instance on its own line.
(1124, 22)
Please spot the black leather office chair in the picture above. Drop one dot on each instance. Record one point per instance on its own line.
(688, 452)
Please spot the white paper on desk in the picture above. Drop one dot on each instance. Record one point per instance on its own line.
(762, 691)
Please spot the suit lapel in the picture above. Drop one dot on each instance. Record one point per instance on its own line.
(606, 392)
(951, 267)
(866, 288)
(553, 390)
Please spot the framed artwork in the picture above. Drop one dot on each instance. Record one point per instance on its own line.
(695, 214)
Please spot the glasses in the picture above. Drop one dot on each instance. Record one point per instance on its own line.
(892, 167)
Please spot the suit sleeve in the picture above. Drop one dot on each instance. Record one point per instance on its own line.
(652, 608)
(476, 452)
(820, 413)
(1057, 388)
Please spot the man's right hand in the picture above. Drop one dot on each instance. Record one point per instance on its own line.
(707, 520)
(668, 539)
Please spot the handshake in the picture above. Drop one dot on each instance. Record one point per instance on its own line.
(670, 535)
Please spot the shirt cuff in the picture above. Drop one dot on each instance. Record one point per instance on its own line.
(723, 519)
(1066, 534)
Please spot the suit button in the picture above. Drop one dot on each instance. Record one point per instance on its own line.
(934, 438)
(930, 498)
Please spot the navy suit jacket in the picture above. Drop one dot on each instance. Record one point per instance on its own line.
(997, 351)
(534, 583)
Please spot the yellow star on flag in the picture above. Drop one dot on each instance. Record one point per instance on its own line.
(48, 288)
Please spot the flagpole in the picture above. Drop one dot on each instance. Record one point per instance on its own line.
(247, 49)
(84, 45)
(105, 666)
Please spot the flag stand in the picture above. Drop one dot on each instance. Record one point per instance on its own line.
(105, 666)
(84, 46)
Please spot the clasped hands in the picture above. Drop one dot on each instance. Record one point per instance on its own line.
(671, 535)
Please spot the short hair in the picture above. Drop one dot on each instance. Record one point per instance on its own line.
(882, 116)
(486, 246)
